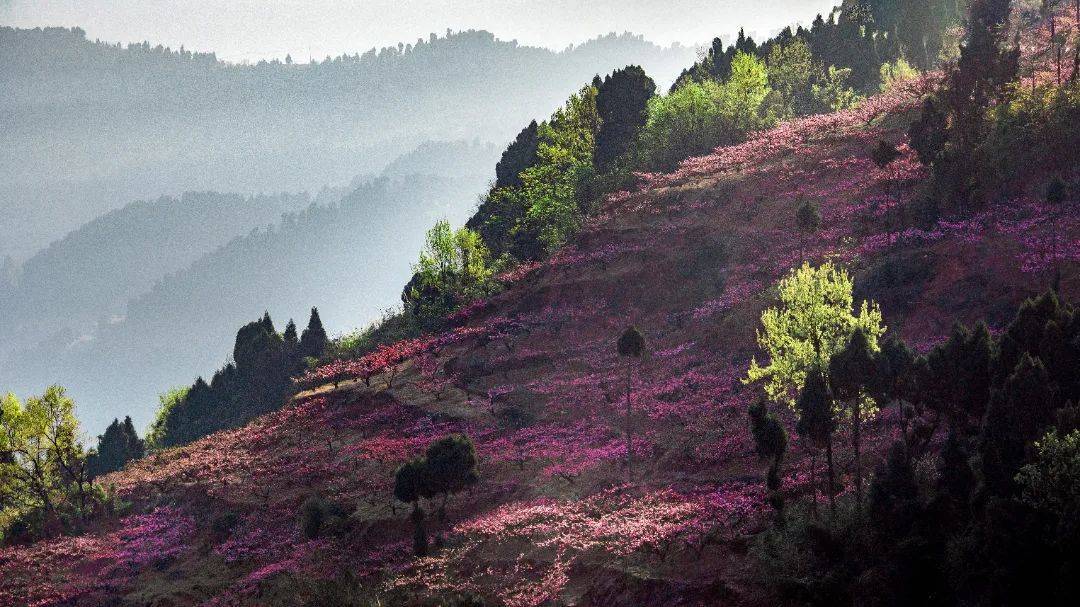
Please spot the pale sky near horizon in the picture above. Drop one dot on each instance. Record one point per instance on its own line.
(239, 30)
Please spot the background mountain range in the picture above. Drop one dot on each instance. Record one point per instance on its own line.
(132, 297)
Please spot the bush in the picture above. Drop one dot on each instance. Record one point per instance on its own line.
(884, 153)
(319, 517)
(696, 118)
(897, 71)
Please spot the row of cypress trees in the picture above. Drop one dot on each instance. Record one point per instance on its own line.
(255, 382)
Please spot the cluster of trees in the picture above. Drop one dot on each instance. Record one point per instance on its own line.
(119, 445)
(45, 471)
(975, 502)
(954, 122)
(455, 267)
(985, 122)
(550, 177)
(256, 381)
(542, 180)
(696, 117)
(546, 182)
(816, 330)
(448, 467)
(837, 59)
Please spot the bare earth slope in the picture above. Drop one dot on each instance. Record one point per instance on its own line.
(532, 375)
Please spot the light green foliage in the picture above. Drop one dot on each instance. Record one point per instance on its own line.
(684, 123)
(454, 261)
(897, 71)
(155, 434)
(832, 91)
(744, 93)
(1052, 483)
(697, 117)
(44, 468)
(564, 163)
(1043, 123)
(814, 321)
(454, 269)
(791, 69)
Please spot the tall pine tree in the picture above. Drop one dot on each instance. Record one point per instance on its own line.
(313, 340)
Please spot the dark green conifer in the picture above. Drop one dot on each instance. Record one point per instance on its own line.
(770, 442)
(313, 340)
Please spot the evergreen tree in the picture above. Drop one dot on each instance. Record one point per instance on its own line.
(956, 378)
(816, 425)
(1055, 197)
(956, 482)
(116, 447)
(1016, 415)
(519, 155)
(851, 372)
(622, 105)
(290, 337)
(808, 221)
(894, 495)
(450, 467)
(985, 67)
(409, 486)
(929, 133)
(770, 442)
(631, 346)
(313, 340)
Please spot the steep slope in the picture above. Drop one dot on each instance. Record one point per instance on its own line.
(532, 375)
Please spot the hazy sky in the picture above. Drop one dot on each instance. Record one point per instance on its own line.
(256, 29)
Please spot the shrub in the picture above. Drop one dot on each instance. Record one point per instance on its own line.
(884, 153)
(320, 517)
(697, 117)
(897, 71)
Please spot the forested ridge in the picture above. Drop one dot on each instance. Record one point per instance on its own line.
(796, 331)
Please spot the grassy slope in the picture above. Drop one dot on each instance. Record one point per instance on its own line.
(557, 517)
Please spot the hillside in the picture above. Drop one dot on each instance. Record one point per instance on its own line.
(532, 375)
(140, 121)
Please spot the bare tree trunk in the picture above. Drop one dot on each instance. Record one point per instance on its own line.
(1053, 42)
(1054, 252)
(813, 479)
(832, 477)
(856, 443)
(629, 427)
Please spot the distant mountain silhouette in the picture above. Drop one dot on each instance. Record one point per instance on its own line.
(88, 125)
(348, 256)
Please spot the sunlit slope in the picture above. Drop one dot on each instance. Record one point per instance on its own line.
(533, 376)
